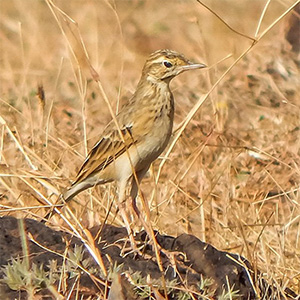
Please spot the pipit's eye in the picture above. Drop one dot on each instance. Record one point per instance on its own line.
(167, 64)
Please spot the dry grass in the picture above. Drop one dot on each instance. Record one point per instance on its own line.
(232, 178)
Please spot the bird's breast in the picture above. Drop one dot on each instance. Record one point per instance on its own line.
(158, 125)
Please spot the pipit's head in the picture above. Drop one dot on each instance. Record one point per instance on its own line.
(166, 64)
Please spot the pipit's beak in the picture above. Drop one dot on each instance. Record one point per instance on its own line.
(190, 66)
(193, 66)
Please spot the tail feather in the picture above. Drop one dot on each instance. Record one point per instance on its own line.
(65, 197)
(71, 192)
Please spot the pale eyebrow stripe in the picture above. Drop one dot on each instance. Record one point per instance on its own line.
(158, 60)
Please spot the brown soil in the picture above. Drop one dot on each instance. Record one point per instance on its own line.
(194, 260)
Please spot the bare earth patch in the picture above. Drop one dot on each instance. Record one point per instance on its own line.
(193, 262)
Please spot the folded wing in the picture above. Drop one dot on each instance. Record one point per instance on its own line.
(107, 150)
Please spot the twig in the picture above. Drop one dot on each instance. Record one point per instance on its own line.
(3, 122)
(227, 25)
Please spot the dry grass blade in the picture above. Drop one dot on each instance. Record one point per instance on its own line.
(204, 97)
(224, 22)
(231, 173)
(19, 146)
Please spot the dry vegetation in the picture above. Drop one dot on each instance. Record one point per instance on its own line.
(231, 179)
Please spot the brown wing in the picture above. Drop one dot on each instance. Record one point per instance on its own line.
(135, 122)
(108, 149)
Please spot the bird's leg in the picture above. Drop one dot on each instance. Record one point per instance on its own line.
(123, 212)
(136, 180)
(135, 190)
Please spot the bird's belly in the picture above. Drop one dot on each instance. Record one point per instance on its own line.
(153, 145)
(140, 155)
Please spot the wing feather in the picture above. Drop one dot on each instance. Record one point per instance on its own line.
(104, 152)
(135, 122)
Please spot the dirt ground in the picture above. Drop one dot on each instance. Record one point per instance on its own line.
(192, 260)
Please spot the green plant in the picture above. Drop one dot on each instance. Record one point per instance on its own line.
(18, 276)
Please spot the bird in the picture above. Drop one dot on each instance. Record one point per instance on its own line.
(137, 135)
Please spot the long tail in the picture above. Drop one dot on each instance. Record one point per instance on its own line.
(63, 198)
(71, 192)
(53, 209)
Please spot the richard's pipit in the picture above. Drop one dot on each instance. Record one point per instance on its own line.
(139, 133)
